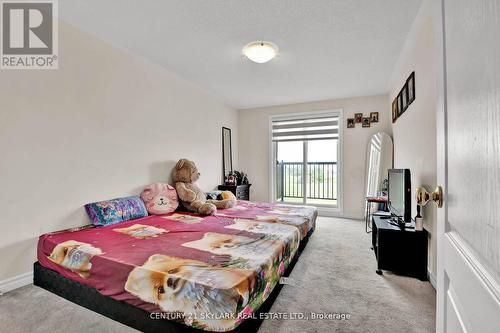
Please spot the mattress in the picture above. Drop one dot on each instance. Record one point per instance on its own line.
(207, 272)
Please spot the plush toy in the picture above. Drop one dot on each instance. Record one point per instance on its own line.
(222, 199)
(185, 175)
(160, 198)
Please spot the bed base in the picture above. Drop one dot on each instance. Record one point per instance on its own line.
(133, 316)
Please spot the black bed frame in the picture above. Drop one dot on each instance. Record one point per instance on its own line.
(133, 316)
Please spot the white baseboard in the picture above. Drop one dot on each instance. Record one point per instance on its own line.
(432, 279)
(328, 212)
(16, 282)
(352, 217)
(336, 213)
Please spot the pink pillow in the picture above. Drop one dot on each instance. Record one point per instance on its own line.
(160, 198)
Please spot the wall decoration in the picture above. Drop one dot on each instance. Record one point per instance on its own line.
(404, 97)
(400, 104)
(366, 122)
(410, 83)
(394, 110)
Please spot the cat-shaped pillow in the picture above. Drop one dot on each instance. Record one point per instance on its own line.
(160, 198)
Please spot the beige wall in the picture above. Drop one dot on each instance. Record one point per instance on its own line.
(102, 126)
(254, 145)
(415, 132)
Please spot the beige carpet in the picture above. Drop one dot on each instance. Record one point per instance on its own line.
(335, 274)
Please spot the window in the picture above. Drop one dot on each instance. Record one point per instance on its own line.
(305, 159)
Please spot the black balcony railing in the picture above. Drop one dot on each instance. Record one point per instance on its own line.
(320, 180)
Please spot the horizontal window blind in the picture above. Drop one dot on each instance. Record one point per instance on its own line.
(317, 128)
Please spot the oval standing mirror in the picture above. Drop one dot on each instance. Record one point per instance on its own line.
(378, 161)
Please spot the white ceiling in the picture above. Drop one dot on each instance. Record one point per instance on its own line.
(328, 48)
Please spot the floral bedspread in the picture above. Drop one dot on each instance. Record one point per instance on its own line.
(207, 272)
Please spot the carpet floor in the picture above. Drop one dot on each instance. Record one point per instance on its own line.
(334, 275)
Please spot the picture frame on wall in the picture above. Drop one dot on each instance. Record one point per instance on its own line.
(394, 110)
(350, 123)
(358, 118)
(404, 97)
(373, 117)
(410, 83)
(366, 122)
(400, 104)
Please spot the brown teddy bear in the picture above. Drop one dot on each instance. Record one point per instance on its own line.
(185, 175)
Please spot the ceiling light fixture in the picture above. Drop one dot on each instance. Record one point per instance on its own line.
(260, 52)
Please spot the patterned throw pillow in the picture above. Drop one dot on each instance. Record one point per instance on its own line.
(116, 210)
(160, 198)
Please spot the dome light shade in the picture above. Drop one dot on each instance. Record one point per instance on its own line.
(260, 52)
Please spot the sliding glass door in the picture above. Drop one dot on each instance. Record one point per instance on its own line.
(290, 171)
(321, 172)
(305, 160)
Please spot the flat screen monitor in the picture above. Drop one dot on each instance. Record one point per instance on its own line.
(400, 193)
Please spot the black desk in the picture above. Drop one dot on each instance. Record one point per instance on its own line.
(403, 251)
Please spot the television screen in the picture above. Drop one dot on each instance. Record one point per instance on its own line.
(400, 193)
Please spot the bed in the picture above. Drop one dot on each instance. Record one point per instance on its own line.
(180, 271)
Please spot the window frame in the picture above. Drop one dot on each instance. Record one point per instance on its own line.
(322, 209)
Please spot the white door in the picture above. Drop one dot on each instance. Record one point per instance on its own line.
(468, 281)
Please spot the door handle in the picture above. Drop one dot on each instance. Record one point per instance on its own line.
(423, 196)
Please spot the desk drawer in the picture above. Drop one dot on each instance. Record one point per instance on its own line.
(243, 193)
